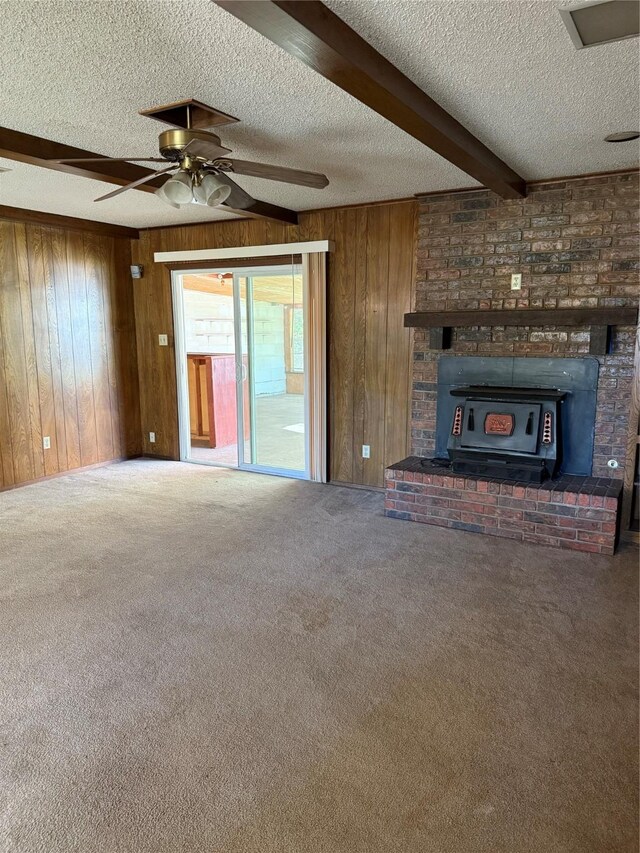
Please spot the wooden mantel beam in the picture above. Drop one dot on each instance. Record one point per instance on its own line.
(312, 33)
(600, 320)
(36, 151)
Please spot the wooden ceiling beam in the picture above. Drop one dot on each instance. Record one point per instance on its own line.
(312, 33)
(265, 210)
(36, 151)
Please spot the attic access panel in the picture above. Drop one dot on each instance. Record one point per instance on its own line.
(599, 22)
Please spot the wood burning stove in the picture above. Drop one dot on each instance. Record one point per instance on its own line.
(511, 433)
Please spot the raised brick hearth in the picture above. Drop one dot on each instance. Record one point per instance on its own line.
(569, 512)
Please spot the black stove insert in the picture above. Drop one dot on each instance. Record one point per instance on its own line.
(512, 433)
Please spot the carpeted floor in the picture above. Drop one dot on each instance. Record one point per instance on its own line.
(204, 661)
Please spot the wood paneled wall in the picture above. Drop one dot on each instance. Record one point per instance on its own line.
(68, 360)
(369, 290)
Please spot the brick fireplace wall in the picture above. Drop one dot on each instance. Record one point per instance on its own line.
(575, 243)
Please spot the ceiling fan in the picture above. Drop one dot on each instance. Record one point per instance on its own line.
(199, 168)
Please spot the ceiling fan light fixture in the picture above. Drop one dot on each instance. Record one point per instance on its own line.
(211, 190)
(163, 197)
(177, 190)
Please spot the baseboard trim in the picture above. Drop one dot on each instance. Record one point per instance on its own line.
(356, 486)
(158, 457)
(69, 471)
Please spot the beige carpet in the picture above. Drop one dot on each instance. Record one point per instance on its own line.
(214, 662)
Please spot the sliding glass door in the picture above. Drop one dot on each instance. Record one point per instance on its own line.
(271, 342)
(245, 326)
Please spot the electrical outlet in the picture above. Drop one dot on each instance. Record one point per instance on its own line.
(516, 281)
(152, 438)
(366, 451)
(163, 340)
(46, 442)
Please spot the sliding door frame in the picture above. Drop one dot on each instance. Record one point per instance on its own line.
(182, 379)
(314, 365)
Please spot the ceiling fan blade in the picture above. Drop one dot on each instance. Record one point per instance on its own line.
(238, 198)
(277, 173)
(137, 183)
(209, 150)
(111, 160)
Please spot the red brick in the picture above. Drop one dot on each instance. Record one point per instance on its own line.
(513, 503)
(506, 512)
(596, 514)
(595, 538)
(438, 522)
(514, 524)
(540, 539)
(580, 524)
(580, 546)
(559, 532)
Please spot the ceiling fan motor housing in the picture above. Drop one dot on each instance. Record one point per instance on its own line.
(173, 142)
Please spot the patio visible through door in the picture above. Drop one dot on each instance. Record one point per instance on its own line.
(242, 358)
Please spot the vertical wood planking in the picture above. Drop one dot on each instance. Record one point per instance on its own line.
(37, 279)
(35, 415)
(358, 268)
(15, 365)
(58, 245)
(54, 344)
(402, 236)
(340, 304)
(6, 436)
(47, 326)
(376, 342)
(94, 271)
(124, 345)
(81, 335)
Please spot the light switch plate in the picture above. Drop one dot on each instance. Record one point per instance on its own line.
(516, 281)
(366, 451)
(152, 438)
(46, 442)
(163, 340)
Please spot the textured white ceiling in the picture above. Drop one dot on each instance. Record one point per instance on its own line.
(77, 71)
(509, 72)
